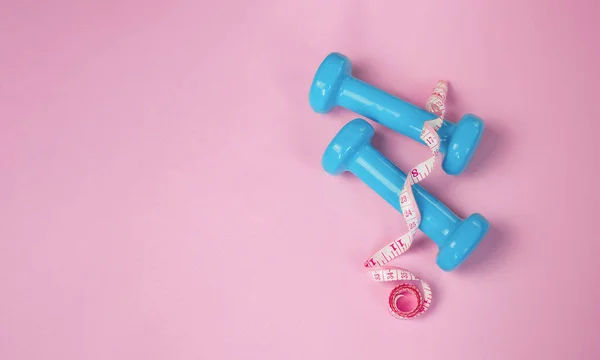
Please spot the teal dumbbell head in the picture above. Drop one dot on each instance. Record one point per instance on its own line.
(334, 85)
(351, 150)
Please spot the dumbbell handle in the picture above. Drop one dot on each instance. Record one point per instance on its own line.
(438, 222)
(390, 111)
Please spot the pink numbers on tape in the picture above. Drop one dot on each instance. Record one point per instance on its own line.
(423, 300)
(412, 216)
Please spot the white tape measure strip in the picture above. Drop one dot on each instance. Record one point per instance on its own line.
(412, 215)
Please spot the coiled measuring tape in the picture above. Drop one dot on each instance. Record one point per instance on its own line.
(412, 215)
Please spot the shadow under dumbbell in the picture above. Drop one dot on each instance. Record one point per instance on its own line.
(421, 245)
(492, 252)
(489, 152)
(379, 140)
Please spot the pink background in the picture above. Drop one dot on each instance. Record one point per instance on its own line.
(161, 194)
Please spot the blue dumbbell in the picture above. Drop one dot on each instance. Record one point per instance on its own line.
(351, 150)
(334, 85)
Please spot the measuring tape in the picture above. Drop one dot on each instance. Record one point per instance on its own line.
(412, 215)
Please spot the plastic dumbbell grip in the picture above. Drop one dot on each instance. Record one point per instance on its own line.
(437, 221)
(390, 111)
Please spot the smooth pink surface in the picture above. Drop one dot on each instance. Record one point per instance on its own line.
(161, 195)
